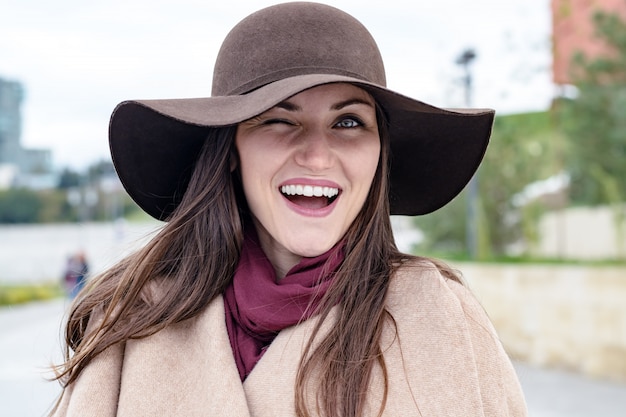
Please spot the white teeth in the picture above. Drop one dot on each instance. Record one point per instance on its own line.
(309, 190)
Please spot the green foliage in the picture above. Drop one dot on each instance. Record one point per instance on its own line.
(55, 207)
(100, 169)
(19, 294)
(444, 230)
(52, 206)
(68, 179)
(595, 122)
(19, 206)
(28, 206)
(531, 216)
(524, 149)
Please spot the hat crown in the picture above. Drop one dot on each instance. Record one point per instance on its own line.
(294, 39)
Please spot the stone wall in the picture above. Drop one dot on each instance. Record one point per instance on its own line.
(570, 317)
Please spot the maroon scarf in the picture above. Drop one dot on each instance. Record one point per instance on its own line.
(258, 306)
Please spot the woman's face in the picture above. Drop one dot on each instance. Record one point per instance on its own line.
(306, 166)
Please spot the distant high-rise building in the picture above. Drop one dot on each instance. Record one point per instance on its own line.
(19, 166)
(11, 96)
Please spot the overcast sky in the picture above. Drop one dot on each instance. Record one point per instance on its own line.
(77, 59)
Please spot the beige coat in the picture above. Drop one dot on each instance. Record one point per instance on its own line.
(445, 361)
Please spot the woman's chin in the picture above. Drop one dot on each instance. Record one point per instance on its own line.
(313, 249)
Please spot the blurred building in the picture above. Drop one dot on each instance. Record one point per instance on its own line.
(19, 166)
(573, 31)
(11, 95)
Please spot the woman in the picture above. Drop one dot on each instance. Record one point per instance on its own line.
(275, 287)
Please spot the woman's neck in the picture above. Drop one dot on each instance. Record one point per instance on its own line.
(281, 259)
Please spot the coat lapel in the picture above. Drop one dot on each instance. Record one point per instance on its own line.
(185, 370)
(270, 387)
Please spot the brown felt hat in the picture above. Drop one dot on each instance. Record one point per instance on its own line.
(268, 57)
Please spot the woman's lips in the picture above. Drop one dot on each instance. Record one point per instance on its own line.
(310, 199)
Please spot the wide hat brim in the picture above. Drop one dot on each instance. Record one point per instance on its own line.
(434, 151)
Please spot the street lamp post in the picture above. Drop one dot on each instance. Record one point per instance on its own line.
(464, 60)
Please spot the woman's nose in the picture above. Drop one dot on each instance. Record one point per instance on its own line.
(315, 152)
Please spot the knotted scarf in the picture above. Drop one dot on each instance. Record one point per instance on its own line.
(258, 306)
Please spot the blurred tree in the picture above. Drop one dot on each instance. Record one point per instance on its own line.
(55, 207)
(19, 205)
(595, 121)
(100, 169)
(524, 149)
(69, 178)
(444, 230)
(77, 196)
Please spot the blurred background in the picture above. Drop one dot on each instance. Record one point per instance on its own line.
(539, 234)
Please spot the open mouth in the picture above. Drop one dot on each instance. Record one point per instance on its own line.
(310, 196)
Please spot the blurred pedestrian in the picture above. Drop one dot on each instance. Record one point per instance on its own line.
(75, 275)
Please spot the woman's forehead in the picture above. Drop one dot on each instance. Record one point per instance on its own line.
(335, 95)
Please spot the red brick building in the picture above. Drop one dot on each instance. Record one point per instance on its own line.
(573, 31)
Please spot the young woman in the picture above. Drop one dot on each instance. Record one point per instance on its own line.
(275, 287)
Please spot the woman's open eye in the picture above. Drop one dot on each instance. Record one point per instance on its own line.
(349, 122)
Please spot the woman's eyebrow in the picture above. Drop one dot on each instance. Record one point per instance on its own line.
(349, 102)
(288, 106)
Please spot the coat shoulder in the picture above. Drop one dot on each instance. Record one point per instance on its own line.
(441, 320)
(421, 280)
(420, 288)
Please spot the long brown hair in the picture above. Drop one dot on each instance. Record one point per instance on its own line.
(193, 259)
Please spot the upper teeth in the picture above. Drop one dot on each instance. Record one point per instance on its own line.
(309, 190)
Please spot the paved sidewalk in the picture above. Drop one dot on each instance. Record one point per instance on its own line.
(30, 341)
(29, 344)
(558, 393)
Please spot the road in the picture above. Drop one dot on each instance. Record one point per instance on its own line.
(30, 336)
